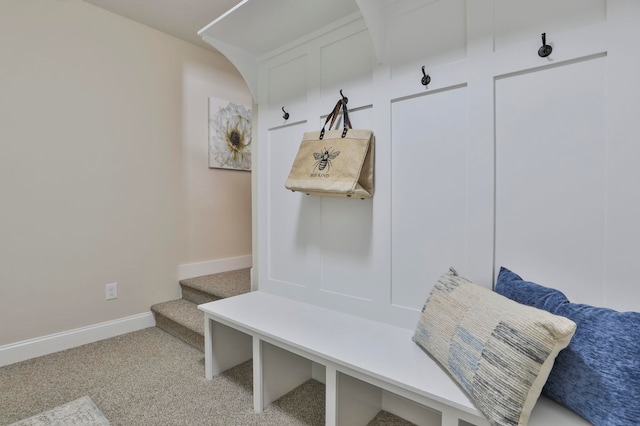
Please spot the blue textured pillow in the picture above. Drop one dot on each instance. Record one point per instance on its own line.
(598, 374)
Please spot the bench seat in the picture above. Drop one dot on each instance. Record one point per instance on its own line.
(366, 365)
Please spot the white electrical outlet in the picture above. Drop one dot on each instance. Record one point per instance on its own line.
(111, 291)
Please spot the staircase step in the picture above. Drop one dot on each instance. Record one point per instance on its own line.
(181, 319)
(212, 287)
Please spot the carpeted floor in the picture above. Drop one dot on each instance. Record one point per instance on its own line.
(151, 378)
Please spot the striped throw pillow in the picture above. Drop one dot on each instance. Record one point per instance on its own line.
(499, 351)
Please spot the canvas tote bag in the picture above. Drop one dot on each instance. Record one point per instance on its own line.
(336, 163)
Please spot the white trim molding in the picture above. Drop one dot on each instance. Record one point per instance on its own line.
(199, 269)
(32, 348)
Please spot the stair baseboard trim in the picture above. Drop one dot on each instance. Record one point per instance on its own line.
(192, 270)
(32, 348)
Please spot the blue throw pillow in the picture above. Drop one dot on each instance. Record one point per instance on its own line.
(598, 374)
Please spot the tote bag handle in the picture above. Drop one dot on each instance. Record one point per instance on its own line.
(333, 115)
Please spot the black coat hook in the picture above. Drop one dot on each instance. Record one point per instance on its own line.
(545, 50)
(426, 79)
(286, 114)
(345, 100)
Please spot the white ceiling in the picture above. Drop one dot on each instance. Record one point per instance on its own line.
(179, 18)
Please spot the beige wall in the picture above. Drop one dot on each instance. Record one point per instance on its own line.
(103, 166)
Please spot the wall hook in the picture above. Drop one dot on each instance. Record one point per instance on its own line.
(426, 79)
(545, 50)
(344, 98)
(286, 114)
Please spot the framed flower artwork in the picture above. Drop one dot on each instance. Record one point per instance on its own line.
(229, 135)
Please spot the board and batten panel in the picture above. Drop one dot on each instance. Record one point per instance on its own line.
(429, 192)
(518, 22)
(345, 230)
(623, 155)
(293, 218)
(346, 63)
(287, 86)
(429, 33)
(550, 176)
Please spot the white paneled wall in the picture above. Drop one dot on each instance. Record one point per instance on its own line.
(515, 21)
(428, 190)
(438, 34)
(506, 158)
(289, 218)
(551, 175)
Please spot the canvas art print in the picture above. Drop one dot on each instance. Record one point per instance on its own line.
(229, 135)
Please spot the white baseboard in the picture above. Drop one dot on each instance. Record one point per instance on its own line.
(27, 349)
(199, 269)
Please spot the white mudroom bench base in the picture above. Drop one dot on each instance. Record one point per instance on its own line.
(367, 366)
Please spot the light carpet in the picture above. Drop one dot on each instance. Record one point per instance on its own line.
(81, 411)
(150, 378)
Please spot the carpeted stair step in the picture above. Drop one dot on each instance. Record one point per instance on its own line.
(216, 286)
(181, 319)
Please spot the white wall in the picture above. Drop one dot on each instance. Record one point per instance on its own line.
(103, 166)
(506, 158)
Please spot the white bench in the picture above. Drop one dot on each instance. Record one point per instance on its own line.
(366, 365)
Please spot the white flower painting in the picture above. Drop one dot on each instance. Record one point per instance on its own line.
(229, 135)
